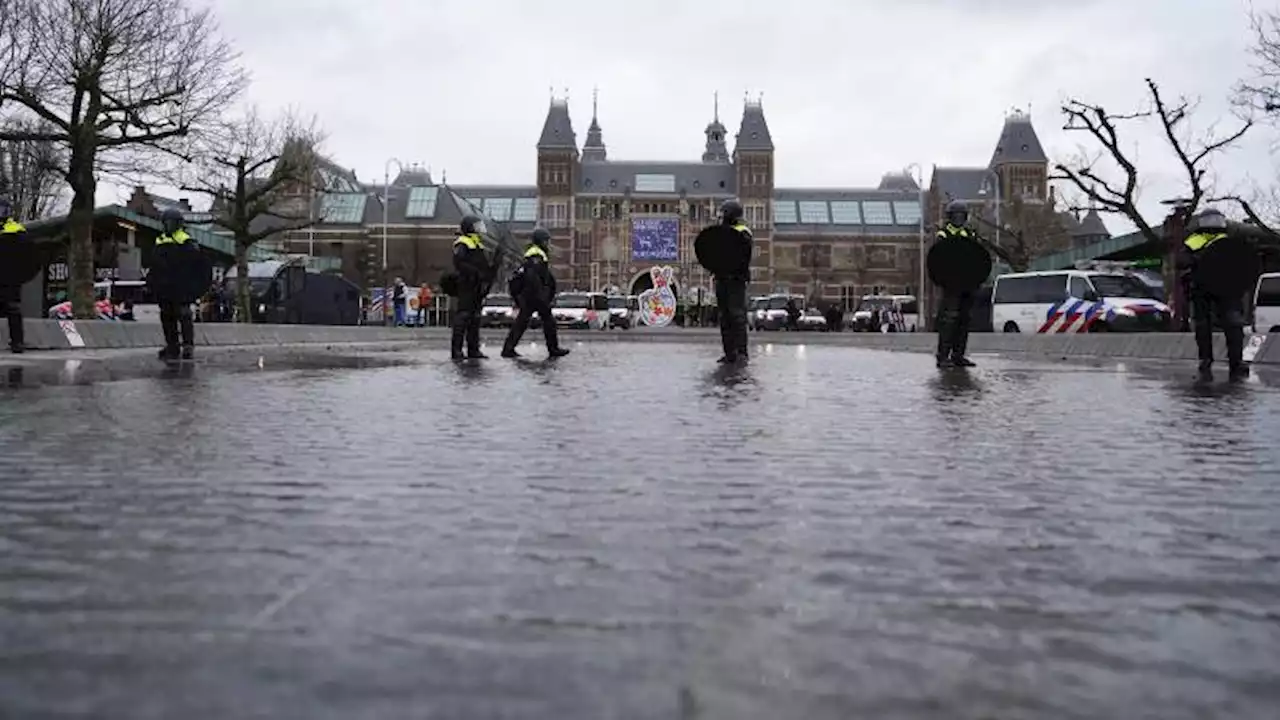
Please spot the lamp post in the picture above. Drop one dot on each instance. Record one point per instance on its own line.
(992, 175)
(386, 196)
(919, 178)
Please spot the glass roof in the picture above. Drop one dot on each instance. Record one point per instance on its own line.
(525, 210)
(422, 202)
(784, 212)
(498, 209)
(877, 212)
(655, 183)
(343, 208)
(907, 212)
(814, 211)
(846, 212)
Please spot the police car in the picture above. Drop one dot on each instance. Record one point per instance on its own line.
(1076, 301)
(498, 311)
(581, 310)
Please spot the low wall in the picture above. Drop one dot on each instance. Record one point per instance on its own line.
(96, 334)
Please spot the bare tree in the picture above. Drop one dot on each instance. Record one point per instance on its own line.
(260, 174)
(113, 80)
(31, 173)
(1262, 92)
(1089, 173)
(1027, 231)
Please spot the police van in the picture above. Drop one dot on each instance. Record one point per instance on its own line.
(1076, 301)
(1266, 304)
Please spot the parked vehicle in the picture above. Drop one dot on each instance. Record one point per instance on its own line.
(624, 311)
(1266, 304)
(581, 311)
(499, 311)
(771, 312)
(1076, 301)
(903, 306)
(285, 292)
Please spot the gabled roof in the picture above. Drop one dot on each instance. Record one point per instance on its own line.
(1018, 142)
(557, 129)
(696, 179)
(1091, 225)
(753, 133)
(960, 183)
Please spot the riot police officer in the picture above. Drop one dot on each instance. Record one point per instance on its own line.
(731, 287)
(532, 287)
(955, 311)
(1206, 229)
(174, 280)
(475, 272)
(11, 289)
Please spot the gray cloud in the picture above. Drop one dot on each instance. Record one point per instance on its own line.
(852, 88)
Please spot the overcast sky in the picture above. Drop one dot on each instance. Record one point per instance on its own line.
(851, 88)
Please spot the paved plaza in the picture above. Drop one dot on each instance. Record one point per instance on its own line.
(632, 532)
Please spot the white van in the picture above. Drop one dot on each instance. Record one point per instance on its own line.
(1067, 301)
(1266, 304)
(904, 305)
(581, 310)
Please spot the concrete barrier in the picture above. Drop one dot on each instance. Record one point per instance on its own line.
(99, 334)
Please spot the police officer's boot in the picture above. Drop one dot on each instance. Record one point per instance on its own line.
(943, 353)
(473, 342)
(1235, 350)
(456, 338)
(958, 358)
(17, 337)
(188, 330)
(1205, 372)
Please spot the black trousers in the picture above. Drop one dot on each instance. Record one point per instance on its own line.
(11, 307)
(527, 310)
(955, 313)
(175, 321)
(731, 306)
(466, 321)
(1229, 314)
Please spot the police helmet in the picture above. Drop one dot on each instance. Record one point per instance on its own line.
(171, 219)
(469, 224)
(541, 238)
(730, 212)
(6, 208)
(957, 213)
(1210, 219)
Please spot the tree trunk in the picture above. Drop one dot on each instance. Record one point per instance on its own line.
(244, 299)
(80, 245)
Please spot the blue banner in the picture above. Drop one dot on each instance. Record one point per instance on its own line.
(655, 239)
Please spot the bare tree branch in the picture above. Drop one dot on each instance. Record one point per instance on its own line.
(114, 82)
(31, 173)
(261, 175)
(1262, 92)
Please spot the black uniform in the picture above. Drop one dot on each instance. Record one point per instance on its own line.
(475, 274)
(1206, 308)
(955, 311)
(176, 321)
(532, 288)
(731, 290)
(11, 294)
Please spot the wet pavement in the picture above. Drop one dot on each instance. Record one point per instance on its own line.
(630, 532)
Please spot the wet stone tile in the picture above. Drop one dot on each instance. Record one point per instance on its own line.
(632, 532)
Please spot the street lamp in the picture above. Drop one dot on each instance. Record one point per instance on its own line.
(992, 175)
(919, 177)
(386, 196)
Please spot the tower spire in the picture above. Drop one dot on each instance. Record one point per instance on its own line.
(716, 151)
(594, 149)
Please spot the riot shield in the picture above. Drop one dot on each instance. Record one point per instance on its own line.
(20, 260)
(721, 251)
(1229, 267)
(958, 264)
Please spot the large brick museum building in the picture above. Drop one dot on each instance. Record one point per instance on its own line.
(612, 220)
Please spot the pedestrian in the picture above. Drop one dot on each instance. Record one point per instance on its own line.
(532, 287)
(1208, 228)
